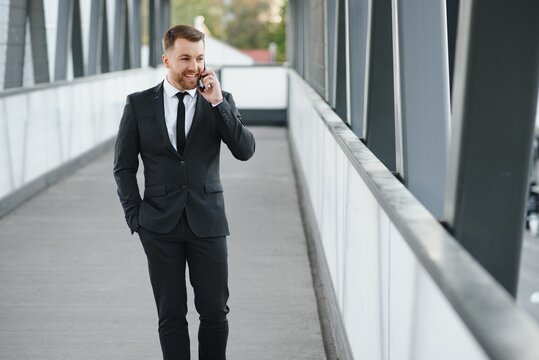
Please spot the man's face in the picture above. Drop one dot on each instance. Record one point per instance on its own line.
(185, 62)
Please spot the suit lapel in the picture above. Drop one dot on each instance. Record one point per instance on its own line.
(158, 106)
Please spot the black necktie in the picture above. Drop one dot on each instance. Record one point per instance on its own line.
(180, 123)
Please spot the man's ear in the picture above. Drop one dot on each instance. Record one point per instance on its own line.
(164, 58)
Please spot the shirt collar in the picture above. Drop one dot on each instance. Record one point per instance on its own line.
(171, 91)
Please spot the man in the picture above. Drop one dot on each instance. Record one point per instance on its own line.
(177, 128)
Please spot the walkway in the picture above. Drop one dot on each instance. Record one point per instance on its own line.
(74, 284)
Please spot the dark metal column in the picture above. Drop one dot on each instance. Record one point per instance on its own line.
(452, 8)
(156, 33)
(93, 43)
(15, 44)
(63, 38)
(341, 104)
(380, 112)
(104, 42)
(166, 17)
(422, 106)
(358, 51)
(126, 61)
(494, 108)
(76, 41)
(119, 37)
(38, 35)
(98, 54)
(68, 35)
(291, 30)
(20, 12)
(136, 29)
(331, 50)
(299, 39)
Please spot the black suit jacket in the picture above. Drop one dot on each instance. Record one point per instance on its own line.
(172, 182)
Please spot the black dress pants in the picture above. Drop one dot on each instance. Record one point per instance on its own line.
(208, 273)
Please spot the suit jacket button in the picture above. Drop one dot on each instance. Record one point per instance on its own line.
(184, 187)
(182, 162)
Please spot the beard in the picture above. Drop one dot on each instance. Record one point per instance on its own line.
(186, 83)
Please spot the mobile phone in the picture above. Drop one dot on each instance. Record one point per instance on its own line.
(201, 85)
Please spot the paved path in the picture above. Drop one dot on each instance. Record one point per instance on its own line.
(74, 284)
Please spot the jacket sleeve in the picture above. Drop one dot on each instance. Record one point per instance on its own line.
(236, 136)
(126, 164)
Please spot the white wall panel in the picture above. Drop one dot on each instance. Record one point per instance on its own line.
(402, 276)
(341, 223)
(326, 221)
(362, 310)
(43, 129)
(384, 224)
(261, 87)
(4, 25)
(17, 117)
(390, 306)
(6, 177)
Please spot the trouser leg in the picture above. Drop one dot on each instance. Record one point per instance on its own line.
(166, 265)
(208, 273)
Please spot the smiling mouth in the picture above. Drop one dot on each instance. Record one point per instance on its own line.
(192, 77)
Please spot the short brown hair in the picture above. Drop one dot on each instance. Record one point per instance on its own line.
(181, 32)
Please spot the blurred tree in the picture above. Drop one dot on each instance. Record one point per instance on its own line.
(254, 24)
(245, 24)
(185, 12)
(277, 32)
(248, 25)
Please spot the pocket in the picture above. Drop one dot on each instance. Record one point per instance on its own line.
(155, 191)
(213, 187)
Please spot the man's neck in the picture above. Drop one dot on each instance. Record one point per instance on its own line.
(173, 83)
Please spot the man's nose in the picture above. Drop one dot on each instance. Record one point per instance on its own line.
(193, 65)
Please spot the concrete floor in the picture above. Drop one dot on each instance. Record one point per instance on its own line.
(74, 282)
(528, 281)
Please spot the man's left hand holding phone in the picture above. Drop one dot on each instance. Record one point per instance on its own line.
(209, 87)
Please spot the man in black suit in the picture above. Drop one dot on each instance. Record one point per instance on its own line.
(177, 128)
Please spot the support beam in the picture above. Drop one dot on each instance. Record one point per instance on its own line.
(422, 106)
(63, 38)
(126, 61)
(166, 16)
(159, 30)
(380, 112)
(120, 54)
(98, 54)
(76, 41)
(154, 40)
(68, 35)
(331, 50)
(136, 31)
(21, 12)
(357, 40)
(494, 108)
(452, 22)
(38, 36)
(341, 101)
(15, 44)
(105, 55)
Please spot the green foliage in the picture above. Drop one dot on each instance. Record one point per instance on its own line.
(185, 12)
(245, 24)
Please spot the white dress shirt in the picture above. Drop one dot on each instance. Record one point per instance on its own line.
(171, 109)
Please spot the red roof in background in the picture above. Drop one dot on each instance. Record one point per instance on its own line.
(260, 56)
